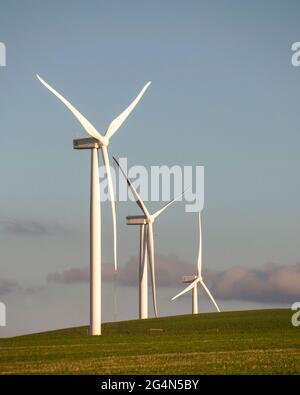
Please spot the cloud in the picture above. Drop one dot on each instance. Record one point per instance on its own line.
(270, 284)
(8, 286)
(169, 272)
(32, 290)
(70, 276)
(31, 227)
(11, 286)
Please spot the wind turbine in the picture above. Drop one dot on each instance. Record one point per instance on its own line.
(146, 246)
(194, 281)
(94, 143)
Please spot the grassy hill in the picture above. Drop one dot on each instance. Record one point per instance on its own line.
(245, 342)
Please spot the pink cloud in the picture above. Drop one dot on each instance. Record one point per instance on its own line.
(271, 283)
(169, 270)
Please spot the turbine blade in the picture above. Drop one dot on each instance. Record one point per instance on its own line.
(145, 249)
(112, 199)
(89, 128)
(199, 261)
(117, 122)
(210, 295)
(158, 212)
(139, 200)
(115, 294)
(145, 253)
(152, 265)
(187, 289)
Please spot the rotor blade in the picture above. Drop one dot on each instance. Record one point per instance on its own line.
(144, 249)
(115, 294)
(158, 212)
(210, 295)
(117, 122)
(134, 191)
(112, 199)
(199, 261)
(152, 264)
(187, 289)
(89, 128)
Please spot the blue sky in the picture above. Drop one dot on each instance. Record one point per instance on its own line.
(224, 95)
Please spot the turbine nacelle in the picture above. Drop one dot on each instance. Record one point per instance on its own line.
(136, 220)
(139, 219)
(90, 142)
(85, 143)
(188, 279)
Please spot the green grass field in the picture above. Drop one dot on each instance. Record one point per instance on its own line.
(245, 342)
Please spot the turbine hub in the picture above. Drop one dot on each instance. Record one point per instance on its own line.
(151, 219)
(104, 142)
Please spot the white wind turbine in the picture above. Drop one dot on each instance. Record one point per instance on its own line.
(95, 142)
(194, 281)
(146, 245)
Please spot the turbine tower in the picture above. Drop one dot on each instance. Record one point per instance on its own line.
(146, 247)
(196, 280)
(95, 142)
